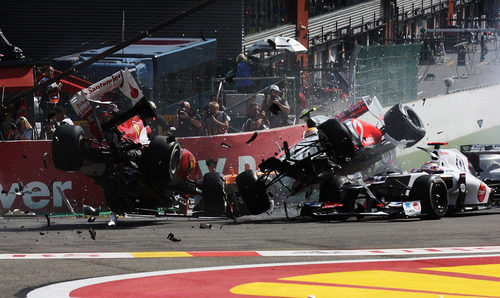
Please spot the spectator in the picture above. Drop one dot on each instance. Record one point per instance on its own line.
(217, 121)
(50, 96)
(484, 48)
(243, 71)
(57, 118)
(256, 120)
(22, 130)
(188, 122)
(60, 116)
(276, 108)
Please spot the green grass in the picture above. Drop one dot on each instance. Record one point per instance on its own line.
(416, 159)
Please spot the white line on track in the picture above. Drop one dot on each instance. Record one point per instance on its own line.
(262, 253)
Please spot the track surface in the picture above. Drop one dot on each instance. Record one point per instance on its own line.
(28, 246)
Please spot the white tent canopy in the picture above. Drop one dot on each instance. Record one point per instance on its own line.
(277, 43)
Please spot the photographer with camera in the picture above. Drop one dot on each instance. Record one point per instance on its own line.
(21, 130)
(256, 120)
(187, 122)
(276, 108)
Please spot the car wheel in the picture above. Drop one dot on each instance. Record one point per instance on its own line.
(214, 193)
(329, 189)
(161, 159)
(432, 192)
(68, 147)
(253, 192)
(336, 138)
(403, 123)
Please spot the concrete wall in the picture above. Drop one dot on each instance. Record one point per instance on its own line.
(450, 116)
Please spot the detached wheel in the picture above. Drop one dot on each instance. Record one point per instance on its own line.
(214, 194)
(68, 147)
(336, 138)
(402, 123)
(161, 159)
(253, 192)
(433, 195)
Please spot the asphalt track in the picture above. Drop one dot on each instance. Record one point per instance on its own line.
(300, 258)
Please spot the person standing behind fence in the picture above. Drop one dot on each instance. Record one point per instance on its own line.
(243, 71)
(256, 120)
(217, 121)
(276, 108)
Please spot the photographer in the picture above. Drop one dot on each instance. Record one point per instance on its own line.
(256, 120)
(217, 121)
(187, 122)
(21, 130)
(276, 108)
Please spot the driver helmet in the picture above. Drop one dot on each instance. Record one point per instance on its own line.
(431, 167)
(310, 131)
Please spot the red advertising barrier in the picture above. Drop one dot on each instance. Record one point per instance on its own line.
(29, 180)
(43, 187)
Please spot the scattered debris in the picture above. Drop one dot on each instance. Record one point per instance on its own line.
(45, 155)
(42, 233)
(480, 123)
(205, 226)
(89, 210)
(254, 136)
(79, 232)
(91, 219)
(171, 237)
(225, 145)
(440, 132)
(92, 233)
(423, 101)
(48, 220)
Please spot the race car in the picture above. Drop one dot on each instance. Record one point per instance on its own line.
(137, 173)
(484, 162)
(466, 190)
(444, 185)
(331, 148)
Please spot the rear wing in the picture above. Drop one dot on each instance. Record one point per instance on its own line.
(480, 149)
(473, 151)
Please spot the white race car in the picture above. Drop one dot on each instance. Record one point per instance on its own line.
(466, 191)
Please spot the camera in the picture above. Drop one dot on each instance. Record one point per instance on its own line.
(13, 126)
(181, 111)
(209, 113)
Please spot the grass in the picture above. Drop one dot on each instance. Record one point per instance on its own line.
(416, 159)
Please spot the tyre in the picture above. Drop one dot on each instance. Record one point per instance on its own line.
(214, 193)
(161, 159)
(402, 123)
(336, 138)
(432, 192)
(329, 189)
(253, 192)
(68, 147)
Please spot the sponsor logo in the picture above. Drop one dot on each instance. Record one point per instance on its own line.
(34, 195)
(481, 193)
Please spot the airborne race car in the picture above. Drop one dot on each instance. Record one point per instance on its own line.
(137, 174)
(335, 148)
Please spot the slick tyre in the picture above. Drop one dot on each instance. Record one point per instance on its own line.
(161, 159)
(68, 147)
(402, 123)
(213, 193)
(336, 138)
(432, 192)
(253, 192)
